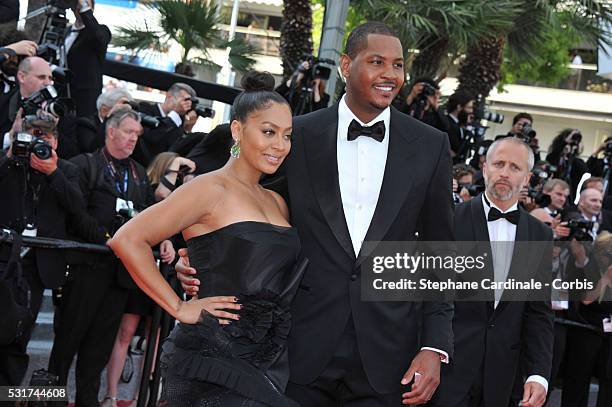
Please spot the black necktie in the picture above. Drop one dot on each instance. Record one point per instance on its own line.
(512, 216)
(376, 131)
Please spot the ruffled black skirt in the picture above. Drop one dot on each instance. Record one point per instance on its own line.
(243, 364)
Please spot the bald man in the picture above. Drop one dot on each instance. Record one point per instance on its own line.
(33, 74)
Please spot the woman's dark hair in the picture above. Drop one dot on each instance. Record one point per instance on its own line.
(557, 145)
(258, 94)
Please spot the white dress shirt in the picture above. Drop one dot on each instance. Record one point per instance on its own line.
(502, 230)
(361, 169)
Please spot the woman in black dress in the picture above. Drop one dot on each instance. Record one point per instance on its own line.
(230, 347)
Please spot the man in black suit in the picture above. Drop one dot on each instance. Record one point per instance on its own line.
(362, 171)
(494, 339)
(86, 46)
(50, 195)
(460, 108)
(172, 116)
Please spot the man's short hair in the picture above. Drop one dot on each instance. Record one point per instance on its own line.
(459, 98)
(553, 183)
(119, 115)
(175, 89)
(514, 140)
(520, 116)
(45, 124)
(461, 170)
(111, 97)
(358, 38)
(589, 181)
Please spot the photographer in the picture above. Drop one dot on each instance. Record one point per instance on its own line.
(304, 90)
(90, 130)
(589, 346)
(40, 192)
(558, 191)
(459, 108)
(423, 102)
(35, 92)
(563, 154)
(177, 104)
(464, 188)
(115, 188)
(522, 127)
(10, 56)
(86, 46)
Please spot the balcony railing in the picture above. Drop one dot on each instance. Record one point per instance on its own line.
(583, 77)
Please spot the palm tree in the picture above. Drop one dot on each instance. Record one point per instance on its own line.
(481, 69)
(440, 30)
(190, 23)
(296, 34)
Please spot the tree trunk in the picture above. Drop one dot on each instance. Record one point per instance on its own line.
(296, 34)
(430, 59)
(481, 69)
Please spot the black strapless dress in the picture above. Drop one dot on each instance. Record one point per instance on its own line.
(244, 363)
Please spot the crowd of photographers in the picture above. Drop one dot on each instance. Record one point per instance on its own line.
(80, 171)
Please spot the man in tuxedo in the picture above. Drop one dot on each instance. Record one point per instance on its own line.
(172, 116)
(362, 171)
(41, 193)
(86, 45)
(493, 339)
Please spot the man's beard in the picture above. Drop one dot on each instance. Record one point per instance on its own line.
(511, 193)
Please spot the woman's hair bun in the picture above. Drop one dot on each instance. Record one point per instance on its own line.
(255, 81)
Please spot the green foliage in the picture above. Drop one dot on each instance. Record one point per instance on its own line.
(547, 66)
(191, 24)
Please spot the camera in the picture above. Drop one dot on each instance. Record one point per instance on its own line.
(318, 69)
(539, 198)
(579, 229)
(147, 121)
(541, 174)
(201, 111)
(528, 133)
(473, 189)
(575, 138)
(26, 144)
(481, 112)
(46, 100)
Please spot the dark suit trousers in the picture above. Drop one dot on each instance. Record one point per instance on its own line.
(85, 101)
(343, 382)
(588, 354)
(90, 314)
(13, 357)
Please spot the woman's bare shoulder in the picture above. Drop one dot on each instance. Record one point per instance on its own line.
(280, 201)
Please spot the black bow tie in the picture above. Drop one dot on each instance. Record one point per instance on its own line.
(512, 216)
(376, 131)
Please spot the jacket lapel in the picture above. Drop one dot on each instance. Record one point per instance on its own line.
(322, 159)
(396, 185)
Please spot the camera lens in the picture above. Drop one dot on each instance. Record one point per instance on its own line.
(41, 149)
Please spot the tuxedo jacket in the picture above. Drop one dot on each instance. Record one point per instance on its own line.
(85, 59)
(491, 343)
(60, 199)
(415, 195)
(157, 140)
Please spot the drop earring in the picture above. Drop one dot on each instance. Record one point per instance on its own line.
(235, 149)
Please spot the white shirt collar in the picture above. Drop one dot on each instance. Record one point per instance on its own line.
(454, 118)
(346, 115)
